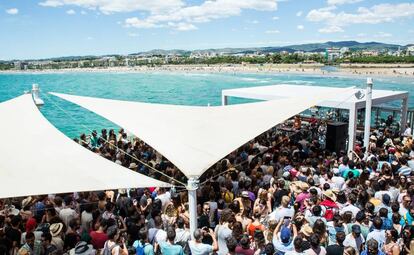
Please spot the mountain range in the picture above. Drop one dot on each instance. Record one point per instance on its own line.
(309, 47)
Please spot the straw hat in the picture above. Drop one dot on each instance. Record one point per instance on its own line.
(304, 186)
(55, 229)
(27, 201)
(306, 230)
(133, 165)
(329, 194)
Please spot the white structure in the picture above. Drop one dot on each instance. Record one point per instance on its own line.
(194, 138)
(368, 107)
(36, 158)
(339, 98)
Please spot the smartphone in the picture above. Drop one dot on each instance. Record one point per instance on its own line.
(286, 221)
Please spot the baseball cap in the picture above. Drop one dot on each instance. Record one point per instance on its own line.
(356, 229)
(285, 235)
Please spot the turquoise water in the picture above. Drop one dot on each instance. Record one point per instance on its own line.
(168, 88)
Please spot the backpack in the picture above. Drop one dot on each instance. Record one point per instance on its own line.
(140, 249)
(108, 250)
(329, 213)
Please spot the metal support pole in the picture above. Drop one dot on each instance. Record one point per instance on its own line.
(192, 186)
(35, 94)
(224, 100)
(368, 105)
(352, 128)
(404, 109)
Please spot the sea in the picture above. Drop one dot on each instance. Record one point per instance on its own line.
(200, 89)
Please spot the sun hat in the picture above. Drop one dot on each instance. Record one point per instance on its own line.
(304, 185)
(122, 191)
(133, 165)
(27, 201)
(10, 210)
(329, 194)
(55, 229)
(245, 194)
(373, 137)
(82, 248)
(306, 230)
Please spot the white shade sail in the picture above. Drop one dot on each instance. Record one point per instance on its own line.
(36, 158)
(193, 137)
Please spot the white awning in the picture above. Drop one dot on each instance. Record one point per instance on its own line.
(339, 98)
(193, 137)
(36, 158)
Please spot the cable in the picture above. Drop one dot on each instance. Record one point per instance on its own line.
(116, 146)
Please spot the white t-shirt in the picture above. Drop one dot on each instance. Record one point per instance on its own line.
(200, 248)
(351, 208)
(281, 212)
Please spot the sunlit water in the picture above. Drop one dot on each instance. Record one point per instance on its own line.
(168, 88)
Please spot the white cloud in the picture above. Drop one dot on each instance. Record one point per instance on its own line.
(331, 29)
(272, 31)
(300, 27)
(299, 13)
(52, 3)
(182, 26)
(139, 23)
(383, 35)
(374, 15)
(275, 18)
(361, 35)
(89, 38)
(70, 12)
(254, 22)
(113, 6)
(339, 2)
(12, 11)
(83, 12)
(159, 12)
(133, 34)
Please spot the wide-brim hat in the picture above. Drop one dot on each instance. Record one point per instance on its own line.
(306, 230)
(27, 201)
(55, 229)
(81, 248)
(303, 185)
(329, 194)
(10, 210)
(133, 166)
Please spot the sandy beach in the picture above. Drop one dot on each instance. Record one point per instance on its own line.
(374, 70)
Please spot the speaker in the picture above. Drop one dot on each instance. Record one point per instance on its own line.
(336, 134)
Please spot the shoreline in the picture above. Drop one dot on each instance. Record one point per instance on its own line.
(296, 69)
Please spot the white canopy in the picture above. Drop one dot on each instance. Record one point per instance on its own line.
(193, 137)
(36, 158)
(344, 99)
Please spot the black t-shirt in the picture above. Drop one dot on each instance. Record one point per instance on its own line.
(334, 249)
(13, 235)
(277, 196)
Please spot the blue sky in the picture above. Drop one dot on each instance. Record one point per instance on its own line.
(52, 28)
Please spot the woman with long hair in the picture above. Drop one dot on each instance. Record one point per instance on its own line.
(391, 246)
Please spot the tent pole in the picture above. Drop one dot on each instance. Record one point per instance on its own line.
(192, 186)
(367, 128)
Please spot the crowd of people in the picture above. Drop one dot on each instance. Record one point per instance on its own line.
(277, 194)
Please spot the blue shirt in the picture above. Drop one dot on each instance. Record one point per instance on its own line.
(365, 252)
(171, 249)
